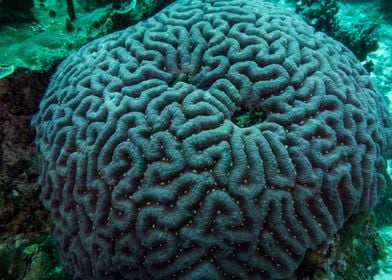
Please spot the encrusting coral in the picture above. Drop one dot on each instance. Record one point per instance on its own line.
(146, 175)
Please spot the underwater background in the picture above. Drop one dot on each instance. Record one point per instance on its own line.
(35, 36)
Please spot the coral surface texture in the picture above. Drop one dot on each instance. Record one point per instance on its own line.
(147, 176)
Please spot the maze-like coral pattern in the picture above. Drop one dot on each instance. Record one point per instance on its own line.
(146, 175)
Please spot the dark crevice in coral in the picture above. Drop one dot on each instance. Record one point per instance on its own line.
(181, 78)
(249, 117)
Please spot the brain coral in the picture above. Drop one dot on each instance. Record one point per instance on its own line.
(147, 176)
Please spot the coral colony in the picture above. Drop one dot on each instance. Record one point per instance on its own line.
(147, 176)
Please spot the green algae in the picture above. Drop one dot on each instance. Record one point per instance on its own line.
(30, 258)
(355, 252)
(41, 42)
(246, 118)
(361, 247)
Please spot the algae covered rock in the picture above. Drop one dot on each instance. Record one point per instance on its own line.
(30, 257)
